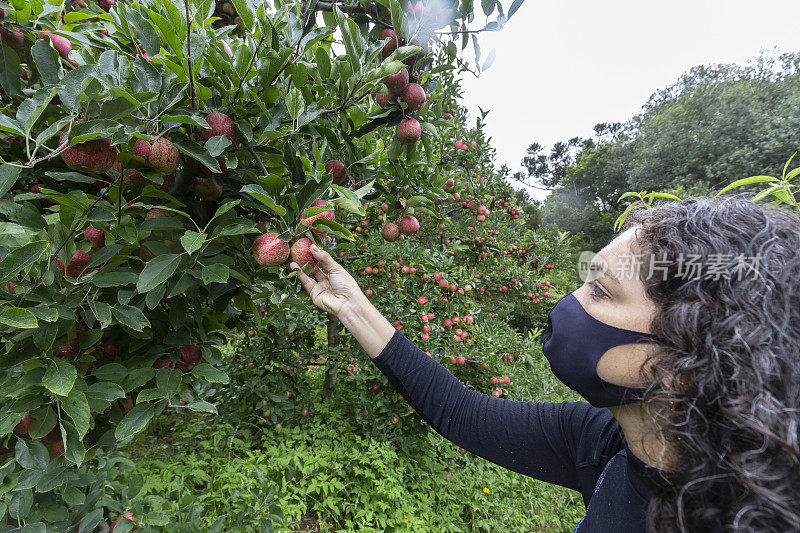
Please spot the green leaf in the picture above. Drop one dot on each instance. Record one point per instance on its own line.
(8, 176)
(130, 316)
(75, 497)
(192, 241)
(261, 195)
(137, 378)
(417, 200)
(295, 103)
(21, 258)
(215, 273)
(44, 420)
(627, 195)
(293, 163)
(90, 521)
(9, 228)
(60, 377)
(333, 227)
(323, 61)
(31, 109)
(236, 226)
(90, 338)
(28, 479)
(31, 454)
(74, 449)
(169, 380)
(77, 407)
(489, 59)
(10, 71)
(135, 421)
(18, 318)
(187, 119)
(114, 279)
(48, 314)
(197, 152)
(203, 407)
(104, 254)
(746, 181)
(20, 503)
(92, 129)
(665, 195)
(154, 297)
(391, 65)
(46, 60)
(210, 374)
(765, 192)
(515, 5)
(101, 311)
(75, 82)
(110, 372)
(45, 336)
(397, 17)
(244, 10)
(107, 390)
(217, 144)
(157, 271)
(148, 395)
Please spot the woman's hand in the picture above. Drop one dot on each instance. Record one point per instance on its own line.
(334, 289)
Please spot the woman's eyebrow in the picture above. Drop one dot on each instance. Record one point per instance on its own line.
(614, 280)
(607, 273)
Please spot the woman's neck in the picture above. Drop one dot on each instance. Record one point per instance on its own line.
(652, 450)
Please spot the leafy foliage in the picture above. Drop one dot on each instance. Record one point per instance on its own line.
(147, 144)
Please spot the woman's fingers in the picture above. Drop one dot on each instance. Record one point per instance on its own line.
(325, 262)
(305, 281)
(319, 274)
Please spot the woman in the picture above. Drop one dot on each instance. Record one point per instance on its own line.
(690, 365)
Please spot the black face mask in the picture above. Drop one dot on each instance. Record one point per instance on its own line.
(574, 343)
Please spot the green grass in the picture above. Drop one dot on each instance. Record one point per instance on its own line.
(343, 482)
(332, 473)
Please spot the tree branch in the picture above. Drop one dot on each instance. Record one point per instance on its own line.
(189, 53)
(241, 82)
(255, 156)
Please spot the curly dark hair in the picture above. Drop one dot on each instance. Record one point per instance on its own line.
(725, 392)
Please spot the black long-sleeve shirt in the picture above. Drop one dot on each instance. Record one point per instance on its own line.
(571, 444)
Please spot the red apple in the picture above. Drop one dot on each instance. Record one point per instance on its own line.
(95, 236)
(300, 252)
(413, 96)
(391, 46)
(409, 131)
(396, 83)
(308, 221)
(269, 250)
(96, 156)
(337, 169)
(220, 124)
(409, 225)
(390, 232)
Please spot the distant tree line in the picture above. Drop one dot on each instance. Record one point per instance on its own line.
(716, 124)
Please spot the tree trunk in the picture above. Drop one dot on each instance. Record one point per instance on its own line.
(332, 369)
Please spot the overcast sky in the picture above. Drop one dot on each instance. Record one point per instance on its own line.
(564, 66)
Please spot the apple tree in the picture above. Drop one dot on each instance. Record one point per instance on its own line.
(161, 161)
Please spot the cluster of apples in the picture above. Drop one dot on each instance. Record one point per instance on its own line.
(190, 356)
(408, 225)
(269, 250)
(511, 209)
(413, 95)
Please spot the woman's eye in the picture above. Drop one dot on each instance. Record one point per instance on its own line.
(597, 292)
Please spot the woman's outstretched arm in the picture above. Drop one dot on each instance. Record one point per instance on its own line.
(562, 443)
